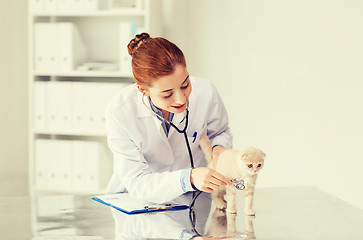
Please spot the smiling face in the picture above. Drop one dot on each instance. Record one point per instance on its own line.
(170, 93)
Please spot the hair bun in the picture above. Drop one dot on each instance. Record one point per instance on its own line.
(137, 42)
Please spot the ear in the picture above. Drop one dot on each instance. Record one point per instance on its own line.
(244, 156)
(143, 90)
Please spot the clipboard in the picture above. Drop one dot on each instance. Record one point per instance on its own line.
(124, 203)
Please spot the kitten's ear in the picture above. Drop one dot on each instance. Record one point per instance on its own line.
(263, 154)
(244, 156)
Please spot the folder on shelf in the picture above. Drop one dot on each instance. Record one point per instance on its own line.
(59, 106)
(37, 6)
(105, 92)
(124, 203)
(64, 105)
(41, 38)
(68, 6)
(90, 5)
(50, 6)
(93, 157)
(71, 50)
(78, 163)
(45, 50)
(127, 32)
(53, 164)
(65, 163)
(58, 47)
(65, 6)
(40, 107)
(41, 163)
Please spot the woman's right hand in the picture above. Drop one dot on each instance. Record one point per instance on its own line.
(207, 179)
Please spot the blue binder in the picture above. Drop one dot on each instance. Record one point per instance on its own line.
(124, 203)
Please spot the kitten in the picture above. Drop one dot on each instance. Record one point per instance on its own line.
(233, 164)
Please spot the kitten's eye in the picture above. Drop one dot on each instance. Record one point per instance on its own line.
(259, 165)
(249, 165)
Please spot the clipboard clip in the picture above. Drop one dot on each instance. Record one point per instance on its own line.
(158, 208)
(164, 207)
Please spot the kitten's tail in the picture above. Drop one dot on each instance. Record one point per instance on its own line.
(206, 147)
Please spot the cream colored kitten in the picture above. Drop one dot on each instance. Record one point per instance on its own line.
(234, 164)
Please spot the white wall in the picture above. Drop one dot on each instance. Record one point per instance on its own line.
(13, 98)
(290, 74)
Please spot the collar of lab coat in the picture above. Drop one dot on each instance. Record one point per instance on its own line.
(144, 110)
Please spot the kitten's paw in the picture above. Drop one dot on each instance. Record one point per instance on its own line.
(250, 212)
(220, 204)
(222, 208)
(250, 217)
(231, 210)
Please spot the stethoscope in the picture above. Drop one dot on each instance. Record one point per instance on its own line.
(183, 131)
(239, 183)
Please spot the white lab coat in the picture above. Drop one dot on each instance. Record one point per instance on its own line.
(147, 164)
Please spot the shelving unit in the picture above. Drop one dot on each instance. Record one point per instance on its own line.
(67, 139)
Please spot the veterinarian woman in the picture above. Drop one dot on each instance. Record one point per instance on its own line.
(151, 158)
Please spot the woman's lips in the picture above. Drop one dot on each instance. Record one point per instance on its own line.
(179, 107)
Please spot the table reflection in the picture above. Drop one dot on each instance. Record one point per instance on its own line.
(203, 222)
(223, 224)
(164, 225)
(69, 217)
(304, 213)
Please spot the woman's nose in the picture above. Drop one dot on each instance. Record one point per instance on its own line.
(180, 97)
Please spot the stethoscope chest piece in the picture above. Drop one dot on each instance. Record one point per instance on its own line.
(239, 183)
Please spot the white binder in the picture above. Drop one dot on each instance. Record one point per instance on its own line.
(51, 48)
(51, 6)
(79, 102)
(40, 107)
(89, 94)
(90, 5)
(53, 164)
(77, 5)
(65, 6)
(65, 164)
(127, 32)
(106, 91)
(40, 42)
(58, 47)
(37, 6)
(71, 50)
(65, 106)
(78, 164)
(41, 155)
(92, 168)
(53, 106)
(64, 44)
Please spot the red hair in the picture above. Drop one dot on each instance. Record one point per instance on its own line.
(153, 58)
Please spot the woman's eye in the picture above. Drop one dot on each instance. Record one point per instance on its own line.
(168, 96)
(186, 86)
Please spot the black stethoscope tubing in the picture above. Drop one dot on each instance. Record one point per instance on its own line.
(184, 132)
(197, 193)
